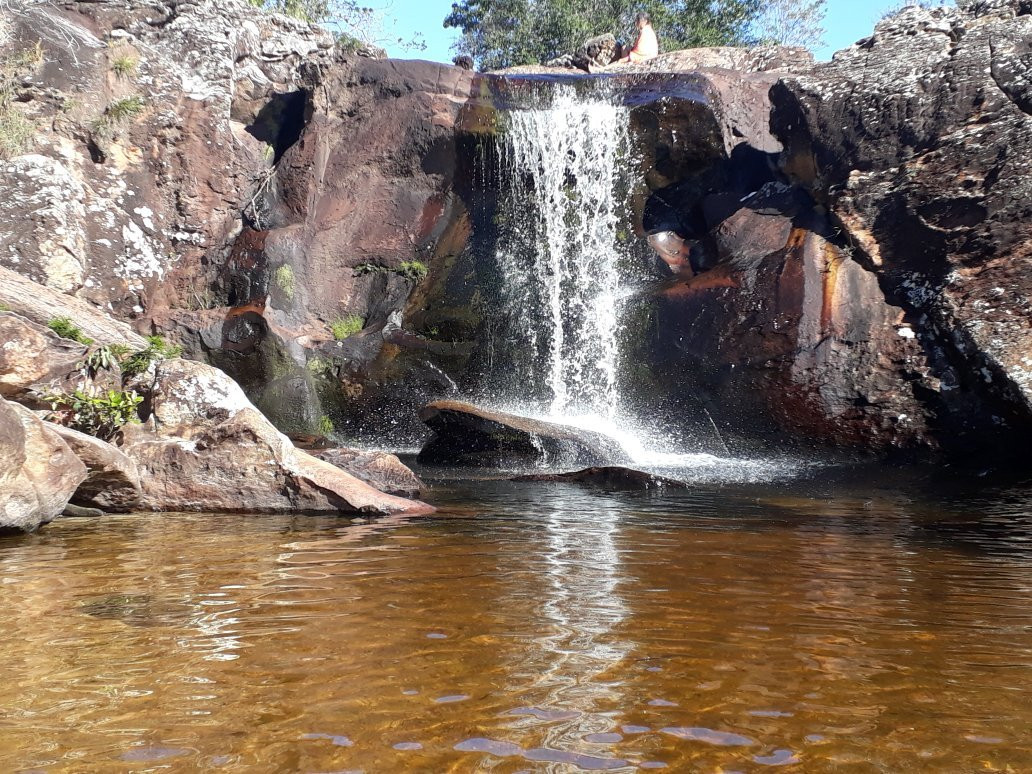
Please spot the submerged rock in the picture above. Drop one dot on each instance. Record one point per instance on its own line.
(466, 435)
(611, 477)
(380, 470)
(205, 447)
(113, 479)
(38, 472)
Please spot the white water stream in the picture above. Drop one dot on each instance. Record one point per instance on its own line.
(561, 255)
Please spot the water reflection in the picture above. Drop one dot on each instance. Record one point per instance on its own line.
(529, 628)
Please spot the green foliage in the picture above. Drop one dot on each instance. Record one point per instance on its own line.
(792, 23)
(124, 109)
(16, 132)
(504, 33)
(118, 113)
(157, 349)
(414, 271)
(285, 280)
(66, 329)
(4, 308)
(104, 358)
(101, 415)
(325, 425)
(124, 66)
(345, 327)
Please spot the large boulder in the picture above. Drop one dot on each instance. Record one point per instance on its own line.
(113, 479)
(204, 447)
(380, 470)
(916, 140)
(467, 435)
(38, 472)
(32, 356)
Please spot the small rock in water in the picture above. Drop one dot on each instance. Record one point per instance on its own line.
(611, 477)
(451, 698)
(408, 746)
(709, 736)
(777, 758)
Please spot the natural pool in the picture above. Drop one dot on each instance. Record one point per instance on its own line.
(842, 621)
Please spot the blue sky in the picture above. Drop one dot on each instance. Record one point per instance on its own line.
(846, 22)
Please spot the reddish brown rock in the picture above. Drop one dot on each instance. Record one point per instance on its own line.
(916, 140)
(38, 472)
(32, 356)
(204, 447)
(113, 480)
(378, 469)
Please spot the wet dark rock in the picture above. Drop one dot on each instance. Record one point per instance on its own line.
(82, 512)
(466, 435)
(609, 478)
(915, 140)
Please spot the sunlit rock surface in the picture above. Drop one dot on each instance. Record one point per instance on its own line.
(38, 472)
(205, 447)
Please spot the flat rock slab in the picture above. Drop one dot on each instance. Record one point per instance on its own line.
(610, 477)
(380, 470)
(468, 436)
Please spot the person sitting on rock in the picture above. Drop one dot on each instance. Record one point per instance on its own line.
(647, 46)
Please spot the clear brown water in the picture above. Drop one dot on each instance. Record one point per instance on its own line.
(817, 626)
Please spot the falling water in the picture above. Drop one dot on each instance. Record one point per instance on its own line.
(559, 251)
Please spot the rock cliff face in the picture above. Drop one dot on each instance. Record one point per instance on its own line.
(916, 141)
(150, 124)
(842, 248)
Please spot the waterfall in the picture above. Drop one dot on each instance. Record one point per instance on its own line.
(558, 250)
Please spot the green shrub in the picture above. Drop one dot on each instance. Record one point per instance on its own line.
(103, 358)
(345, 327)
(157, 349)
(124, 66)
(101, 415)
(124, 109)
(118, 113)
(414, 271)
(285, 280)
(64, 328)
(325, 425)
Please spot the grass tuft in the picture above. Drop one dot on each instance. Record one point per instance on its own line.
(345, 327)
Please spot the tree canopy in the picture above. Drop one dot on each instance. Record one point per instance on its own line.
(504, 33)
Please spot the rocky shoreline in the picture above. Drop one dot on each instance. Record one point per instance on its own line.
(840, 251)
